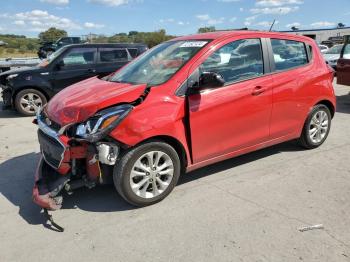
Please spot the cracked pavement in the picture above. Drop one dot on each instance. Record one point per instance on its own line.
(244, 209)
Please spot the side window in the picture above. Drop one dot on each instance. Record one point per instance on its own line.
(65, 41)
(236, 61)
(288, 54)
(79, 56)
(76, 40)
(346, 54)
(133, 52)
(310, 52)
(113, 55)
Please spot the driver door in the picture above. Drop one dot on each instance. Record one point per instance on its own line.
(343, 65)
(236, 115)
(75, 65)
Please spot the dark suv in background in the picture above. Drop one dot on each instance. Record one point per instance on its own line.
(343, 65)
(49, 47)
(27, 89)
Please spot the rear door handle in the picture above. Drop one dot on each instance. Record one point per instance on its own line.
(258, 90)
(91, 70)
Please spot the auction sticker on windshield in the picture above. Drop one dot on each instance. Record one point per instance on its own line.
(194, 44)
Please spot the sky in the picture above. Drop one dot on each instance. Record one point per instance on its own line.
(177, 17)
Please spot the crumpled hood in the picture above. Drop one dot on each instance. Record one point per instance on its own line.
(28, 70)
(80, 101)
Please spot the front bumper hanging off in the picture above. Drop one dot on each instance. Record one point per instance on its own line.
(47, 186)
(53, 170)
(57, 169)
(6, 97)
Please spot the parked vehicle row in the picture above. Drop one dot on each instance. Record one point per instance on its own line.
(333, 40)
(184, 104)
(28, 89)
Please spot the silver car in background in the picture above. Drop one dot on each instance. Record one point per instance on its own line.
(332, 55)
(323, 48)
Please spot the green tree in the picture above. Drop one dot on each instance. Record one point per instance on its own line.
(132, 33)
(23, 49)
(51, 35)
(206, 29)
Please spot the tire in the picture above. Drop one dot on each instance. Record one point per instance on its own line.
(33, 98)
(138, 156)
(310, 138)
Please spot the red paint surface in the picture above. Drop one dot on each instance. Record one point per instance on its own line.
(216, 124)
(82, 100)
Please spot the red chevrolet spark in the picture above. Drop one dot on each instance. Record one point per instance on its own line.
(185, 104)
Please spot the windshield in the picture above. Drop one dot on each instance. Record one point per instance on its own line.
(51, 58)
(158, 64)
(335, 50)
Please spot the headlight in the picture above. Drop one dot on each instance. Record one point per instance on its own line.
(102, 123)
(9, 77)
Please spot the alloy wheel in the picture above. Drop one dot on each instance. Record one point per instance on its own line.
(30, 102)
(151, 174)
(318, 127)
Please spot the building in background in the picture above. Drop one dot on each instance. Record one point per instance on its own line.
(321, 35)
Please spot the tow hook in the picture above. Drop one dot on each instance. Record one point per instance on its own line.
(54, 226)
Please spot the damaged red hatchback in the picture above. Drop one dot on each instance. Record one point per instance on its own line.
(185, 104)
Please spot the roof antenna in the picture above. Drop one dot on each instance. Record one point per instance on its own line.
(274, 20)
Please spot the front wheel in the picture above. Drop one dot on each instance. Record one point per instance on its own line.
(316, 127)
(148, 173)
(28, 101)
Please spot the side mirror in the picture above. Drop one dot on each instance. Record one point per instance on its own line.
(59, 65)
(210, 80)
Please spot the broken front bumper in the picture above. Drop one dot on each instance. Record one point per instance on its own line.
(48, 184)
(6, 96)
(54, 166)
(57, 165)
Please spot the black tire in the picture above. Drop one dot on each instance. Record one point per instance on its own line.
(122, 170)
(305, 140)
(22, 94)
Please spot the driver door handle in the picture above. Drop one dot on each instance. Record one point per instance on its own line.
(258, 90)
(91, 70)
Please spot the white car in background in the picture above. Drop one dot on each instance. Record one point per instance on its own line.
(332, 55)
(323, 48)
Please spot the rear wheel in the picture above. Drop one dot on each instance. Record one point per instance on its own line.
(28, 101)
(147, 174)
(316, 127)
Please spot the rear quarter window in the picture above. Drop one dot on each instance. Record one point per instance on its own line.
(108, 55)
(288, 54)
(133, 52)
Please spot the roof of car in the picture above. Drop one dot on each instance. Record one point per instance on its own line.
(226, 34)
(121, 45)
